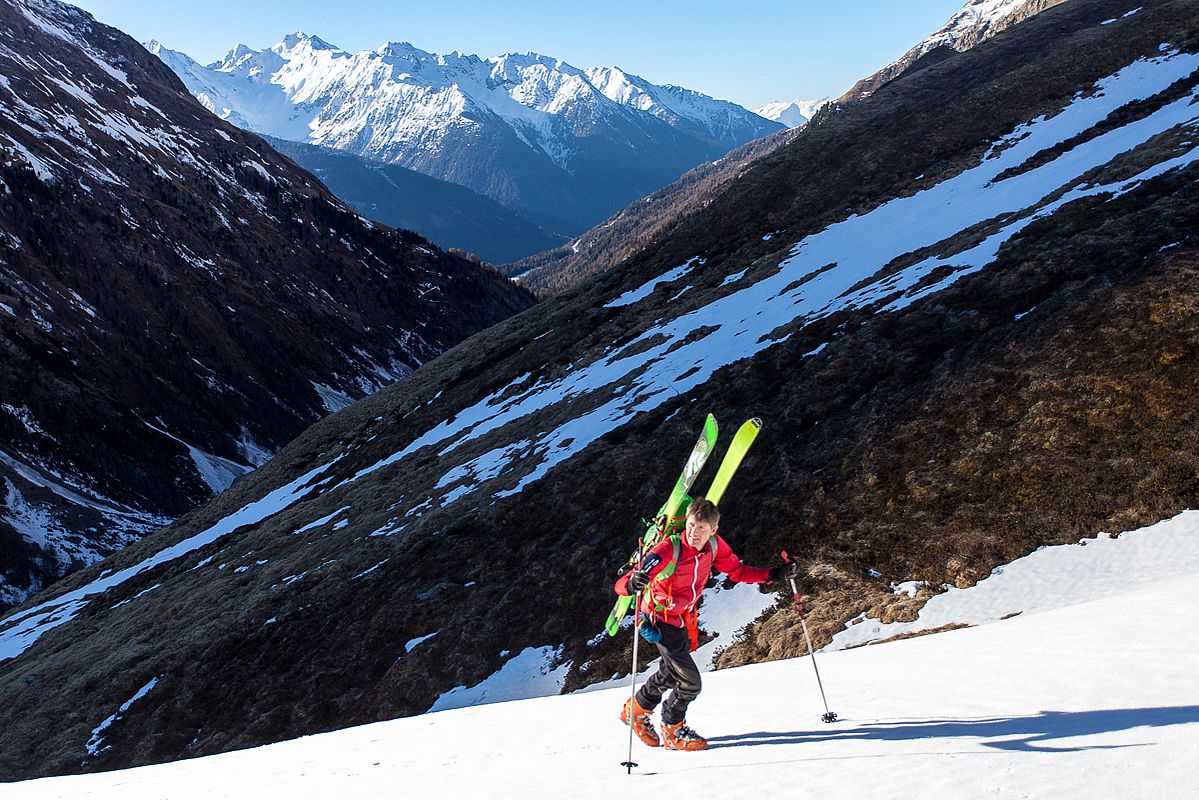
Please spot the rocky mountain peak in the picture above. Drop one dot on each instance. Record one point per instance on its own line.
(975, 22)
(403, 51)
(299, 39)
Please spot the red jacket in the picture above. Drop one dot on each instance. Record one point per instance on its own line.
(679, 594)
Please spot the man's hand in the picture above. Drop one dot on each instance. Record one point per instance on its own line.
(788, 570)
(638, 580)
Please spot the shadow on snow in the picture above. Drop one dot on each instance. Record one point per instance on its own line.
(1023, 733)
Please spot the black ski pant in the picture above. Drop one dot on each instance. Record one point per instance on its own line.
(677, 671)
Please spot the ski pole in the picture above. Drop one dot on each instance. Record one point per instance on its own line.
(829, 716)
(633, 680)
(628, 765)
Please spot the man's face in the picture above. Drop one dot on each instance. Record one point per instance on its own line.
(698, 533)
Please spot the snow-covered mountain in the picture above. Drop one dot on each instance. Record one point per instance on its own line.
(565, 145)
(964, 306)
(1039, 704)
(792, 113)
(974, 22)
(177, 301)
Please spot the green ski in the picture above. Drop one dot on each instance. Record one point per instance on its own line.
(742, 441)
(657, 527)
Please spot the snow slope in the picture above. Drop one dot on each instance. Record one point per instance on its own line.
(1091, 699)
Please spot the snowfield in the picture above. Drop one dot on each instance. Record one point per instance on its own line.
(1098, 698)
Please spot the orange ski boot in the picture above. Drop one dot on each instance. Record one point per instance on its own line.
(680, 737)
(641, 724)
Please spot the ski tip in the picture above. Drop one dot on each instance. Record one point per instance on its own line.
(756, 422)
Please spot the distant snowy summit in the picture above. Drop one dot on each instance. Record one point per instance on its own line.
(791, 113)
(974, 22)
(566, 145)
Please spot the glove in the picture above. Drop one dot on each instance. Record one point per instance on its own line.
(788, 570)
(638, 580)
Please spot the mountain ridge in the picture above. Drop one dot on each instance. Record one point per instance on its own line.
(563, 145)
(975, 22)
(450, 215)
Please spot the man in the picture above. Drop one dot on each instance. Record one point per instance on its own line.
(669, 606)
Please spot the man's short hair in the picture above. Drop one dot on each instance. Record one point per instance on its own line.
(704, 510)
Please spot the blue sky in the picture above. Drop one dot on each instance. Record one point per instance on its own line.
(749, 51)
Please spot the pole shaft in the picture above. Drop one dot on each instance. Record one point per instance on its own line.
(812, 653)
(633, 676)
(811, 650)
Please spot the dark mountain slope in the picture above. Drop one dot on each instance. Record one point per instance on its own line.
(637, 225)
(967, 338)
(177, 301)
(449, 214)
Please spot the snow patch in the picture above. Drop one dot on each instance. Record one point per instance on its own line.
(95, 745)
(646, 289)
(320, 522)
(26, 417)
(1053, 577)
(366, 572)
(217, 472)
(411, 643)
(529, 674)
(333, 399)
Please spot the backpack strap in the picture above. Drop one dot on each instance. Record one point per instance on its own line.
(676, 547)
